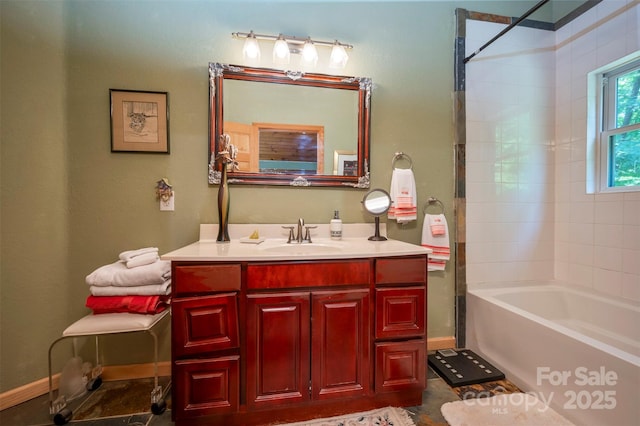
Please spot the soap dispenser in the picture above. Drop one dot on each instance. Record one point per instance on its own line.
(336, 226)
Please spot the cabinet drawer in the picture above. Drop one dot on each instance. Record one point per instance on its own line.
(206, 386)
(401, 271)
(189, 279)
(400, 366)
(204, 324)
(400, 312)
(291, 275)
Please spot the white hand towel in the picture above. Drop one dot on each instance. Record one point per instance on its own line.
(130, 254)
(163, 289)
(403, 196)
(117, 274)
(143, 259)
(435, 236)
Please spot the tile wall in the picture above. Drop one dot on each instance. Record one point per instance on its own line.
(531, 212)
(509, 154)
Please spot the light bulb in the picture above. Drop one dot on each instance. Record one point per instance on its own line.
(309, 53)
(338, 57)
(251, 49)
(281, 53)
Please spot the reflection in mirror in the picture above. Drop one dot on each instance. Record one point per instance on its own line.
(377, 202)
(295, 129)
(345, 163)
(291, 151)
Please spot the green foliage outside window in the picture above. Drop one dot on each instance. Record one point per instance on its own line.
(625, 147)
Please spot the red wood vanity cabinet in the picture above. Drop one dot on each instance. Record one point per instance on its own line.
(255, 343)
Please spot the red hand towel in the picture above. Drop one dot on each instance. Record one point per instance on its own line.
(132, 304)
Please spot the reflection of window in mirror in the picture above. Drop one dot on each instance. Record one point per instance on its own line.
(278, 148)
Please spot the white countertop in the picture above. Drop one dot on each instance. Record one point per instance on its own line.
(354, 244)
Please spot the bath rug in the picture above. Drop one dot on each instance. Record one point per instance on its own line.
(514, 409)
(389, 416)
(463, 367)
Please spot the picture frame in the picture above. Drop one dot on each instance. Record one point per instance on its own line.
(345, 163)
(139, 121)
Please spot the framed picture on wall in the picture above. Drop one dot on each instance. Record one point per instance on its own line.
(139, 121)
(345, 163)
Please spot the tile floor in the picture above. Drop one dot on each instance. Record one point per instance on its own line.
(109, 404)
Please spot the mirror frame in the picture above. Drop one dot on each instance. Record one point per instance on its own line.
(219, 72)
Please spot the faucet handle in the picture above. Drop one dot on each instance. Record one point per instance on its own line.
(291, 237)
(307, 234)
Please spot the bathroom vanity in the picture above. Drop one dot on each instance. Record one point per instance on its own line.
(276, 332)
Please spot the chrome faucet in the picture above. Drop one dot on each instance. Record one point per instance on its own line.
(302, 236)
(299, 237)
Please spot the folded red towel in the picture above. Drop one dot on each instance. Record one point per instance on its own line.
(132, 304)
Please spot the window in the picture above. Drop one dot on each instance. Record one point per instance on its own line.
(620, 135)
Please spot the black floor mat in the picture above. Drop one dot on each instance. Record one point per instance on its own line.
(463, 367)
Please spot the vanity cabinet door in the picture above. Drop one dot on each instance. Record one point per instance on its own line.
(303, 346)
(277, 348)
(340, 344)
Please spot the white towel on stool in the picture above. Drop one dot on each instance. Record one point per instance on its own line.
(143, 259)
(126, 256)
(403, 196)
(435, 236)
(163, 289)
(117, 274)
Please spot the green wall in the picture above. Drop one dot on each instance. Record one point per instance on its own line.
(69, 205)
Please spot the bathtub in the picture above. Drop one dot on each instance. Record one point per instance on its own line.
(576, 350)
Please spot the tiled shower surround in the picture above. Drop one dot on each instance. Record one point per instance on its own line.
(531, 213)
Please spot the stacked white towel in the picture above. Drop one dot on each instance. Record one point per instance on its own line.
(136, 272)
(139, 257)
(403, 196)
(133, 290)
(435, 235)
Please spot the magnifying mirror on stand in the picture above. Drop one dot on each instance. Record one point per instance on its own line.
(377, 202)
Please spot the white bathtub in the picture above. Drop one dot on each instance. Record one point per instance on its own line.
(577, 350)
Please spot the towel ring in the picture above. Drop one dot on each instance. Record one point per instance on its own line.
(400, 156)
(431, 201)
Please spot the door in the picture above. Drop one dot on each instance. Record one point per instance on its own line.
(243, 138)
(340, 355)
(277, 348)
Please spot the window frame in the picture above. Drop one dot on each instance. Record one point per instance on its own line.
(607, 128)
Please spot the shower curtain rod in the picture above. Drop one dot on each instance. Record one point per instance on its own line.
(503, 32)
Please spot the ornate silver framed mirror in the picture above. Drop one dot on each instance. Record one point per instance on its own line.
(291, 128)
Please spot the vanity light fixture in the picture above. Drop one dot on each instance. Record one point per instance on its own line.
(285, 45)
